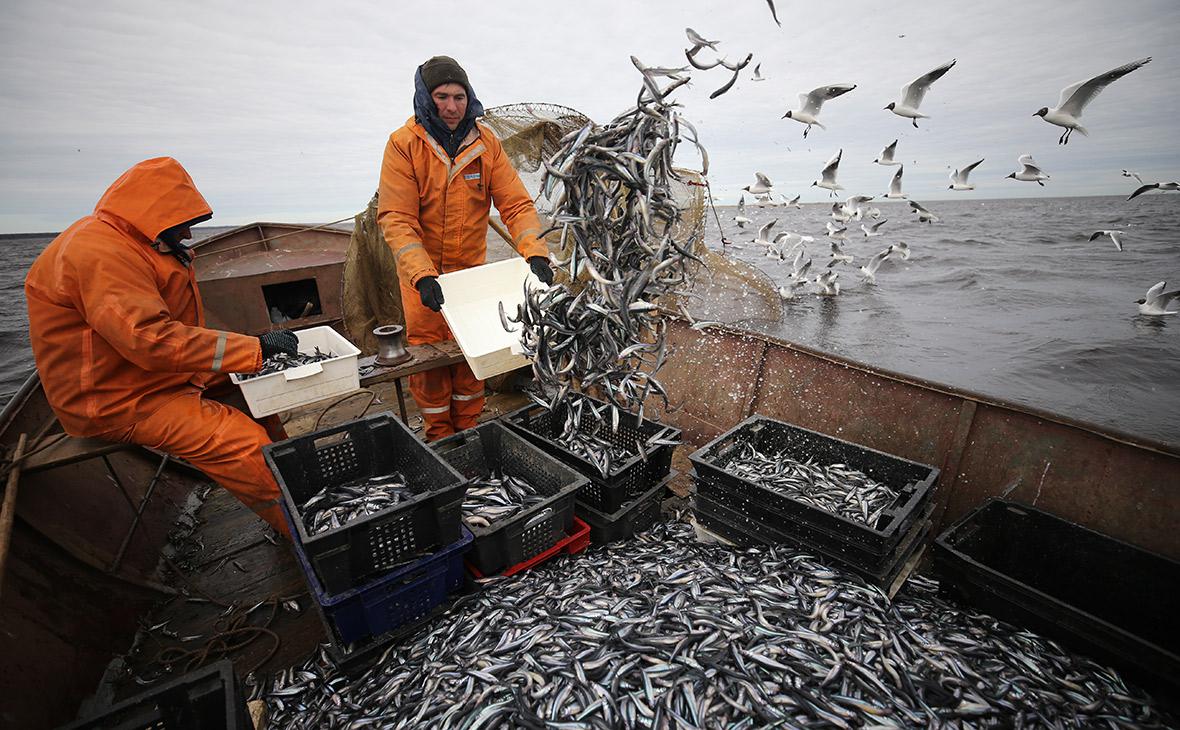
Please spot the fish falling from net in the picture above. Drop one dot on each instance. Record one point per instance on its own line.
(498, 497)
(620, 251)
(834, 487)
(332, 507)
(282, 361)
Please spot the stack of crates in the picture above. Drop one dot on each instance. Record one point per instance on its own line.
(627, 499)
(746, 512)
(491, 448)
(209, 698)
(387, 569)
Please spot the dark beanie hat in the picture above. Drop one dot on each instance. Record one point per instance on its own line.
(443, 70)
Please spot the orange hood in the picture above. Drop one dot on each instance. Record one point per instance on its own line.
(153, 196)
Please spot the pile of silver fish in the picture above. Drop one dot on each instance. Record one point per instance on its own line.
(332, 507)
(282, 361)
(617, 213)
(583, 432)
(496, 498)
(836, 488)
(666, 632)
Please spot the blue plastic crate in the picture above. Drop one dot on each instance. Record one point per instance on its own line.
(395, 599)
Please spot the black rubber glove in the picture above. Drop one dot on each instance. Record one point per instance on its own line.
(541, 269)
(430, 292)
(279, 341)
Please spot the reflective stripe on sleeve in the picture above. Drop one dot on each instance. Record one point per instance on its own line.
(219, 351)
(403, 249)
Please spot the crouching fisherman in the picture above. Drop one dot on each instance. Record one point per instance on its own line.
(117, 329)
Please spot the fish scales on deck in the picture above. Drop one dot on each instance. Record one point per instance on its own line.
(668, 632)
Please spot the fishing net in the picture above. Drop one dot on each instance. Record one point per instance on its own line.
(371, 295)
(727, 291)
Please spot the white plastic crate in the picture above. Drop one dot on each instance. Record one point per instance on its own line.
(471, 299)
(299, 386)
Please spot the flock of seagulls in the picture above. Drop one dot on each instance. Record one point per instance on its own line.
(791, 246)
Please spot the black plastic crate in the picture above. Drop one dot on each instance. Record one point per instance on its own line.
(802, 529)
(354, 553)
(207, 699)
(492, 448)
(915, 482)
(635, 516)
(1100, 595)
(627, 480)
(740, 529)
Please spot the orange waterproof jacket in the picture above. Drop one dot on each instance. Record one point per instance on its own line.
(117, 328)
(434, 212)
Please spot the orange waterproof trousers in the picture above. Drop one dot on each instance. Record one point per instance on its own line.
(223, 442)
(450, 399)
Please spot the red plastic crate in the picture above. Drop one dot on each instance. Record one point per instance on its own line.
(573, 543)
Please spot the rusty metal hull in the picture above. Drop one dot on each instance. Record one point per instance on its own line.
(1115, 483)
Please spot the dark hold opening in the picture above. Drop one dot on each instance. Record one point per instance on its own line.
(292, 300)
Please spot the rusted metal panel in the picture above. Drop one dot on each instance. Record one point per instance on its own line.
(1116, 483)
(711, 376)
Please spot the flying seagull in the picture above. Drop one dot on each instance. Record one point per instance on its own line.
(764, 233)
(913, 93)
(886, 157)
(895, 186)
(837, 234)
(873, 232)
(763, 185)
(773, 13)
(959, 178)
(1128, 173)
(1029, 172)
(870, 269)
(741, 218)
(1116, 236)
(1157, 300)
(828, 176)
(811, 102)
(924, 214)
(758, 73)
(1154, 186)
(1075, 98)
(902, 248)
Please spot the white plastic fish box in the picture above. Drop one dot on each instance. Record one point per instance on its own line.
(471, 307)
(294, 387)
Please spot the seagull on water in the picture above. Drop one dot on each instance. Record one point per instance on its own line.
(886, 157)
(1029, 171)
(741, 218)
(758, 73)
(1128, 173)
(838, 255)
(1154, 186)
(854, 206)
(895, 186)
(1157, 300)
(811, 102)
(829, 287)
(959, 178)
(924, 214)
(763, 185)
(698, 41)
(828, 181)
(1116, 236)
(873, 232)
(869, 270)
(913, 93)
(901, 248)
(1074, 99)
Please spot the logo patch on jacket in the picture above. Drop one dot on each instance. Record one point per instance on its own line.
(471, 176)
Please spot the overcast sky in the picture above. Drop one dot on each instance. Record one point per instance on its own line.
(280, 110)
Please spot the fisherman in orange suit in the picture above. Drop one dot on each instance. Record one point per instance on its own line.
(118, 333)
(441, 173)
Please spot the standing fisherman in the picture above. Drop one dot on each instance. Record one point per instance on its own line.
(441, 173)
(118, 332)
